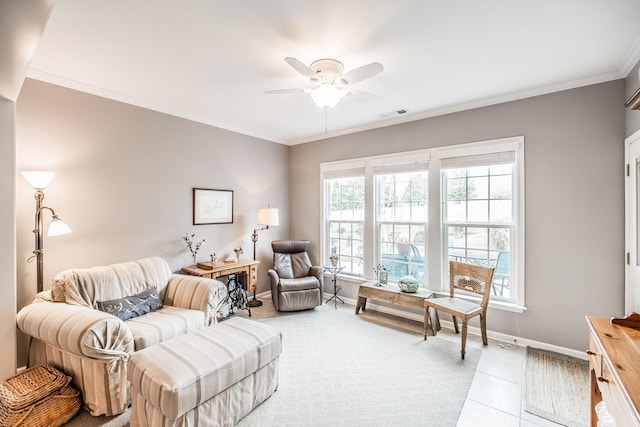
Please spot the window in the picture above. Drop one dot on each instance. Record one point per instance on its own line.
(410, 213)
(401, 221)
(344, 196)
(478, 214)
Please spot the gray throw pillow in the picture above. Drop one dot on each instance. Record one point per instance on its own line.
(133, 306)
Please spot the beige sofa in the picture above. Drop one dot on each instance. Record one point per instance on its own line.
(94, 346)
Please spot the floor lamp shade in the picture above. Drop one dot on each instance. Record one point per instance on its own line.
(58, 227)
(38, 179)
(268, 217)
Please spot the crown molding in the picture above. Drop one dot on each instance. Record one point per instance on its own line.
(104, 93)
(515, 96)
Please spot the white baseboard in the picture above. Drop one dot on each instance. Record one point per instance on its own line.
(508, 339)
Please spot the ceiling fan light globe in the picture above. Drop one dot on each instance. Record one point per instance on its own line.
(325, 96)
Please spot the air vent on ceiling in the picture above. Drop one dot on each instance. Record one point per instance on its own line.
(394, 113)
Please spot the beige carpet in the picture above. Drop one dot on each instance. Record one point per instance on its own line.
(339, 369)
(557, 387)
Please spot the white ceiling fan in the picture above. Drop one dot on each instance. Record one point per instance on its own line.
(330, 83)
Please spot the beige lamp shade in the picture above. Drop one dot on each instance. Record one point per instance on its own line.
(268, 217)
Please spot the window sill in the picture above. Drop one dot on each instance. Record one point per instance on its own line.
(346, 278)
(497, 305)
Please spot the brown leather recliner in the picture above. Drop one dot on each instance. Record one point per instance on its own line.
(295, 283)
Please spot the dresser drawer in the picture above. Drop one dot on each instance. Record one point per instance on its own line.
(595, 357)
(612, 394)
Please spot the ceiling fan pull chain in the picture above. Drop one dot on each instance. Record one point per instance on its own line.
(326, 113)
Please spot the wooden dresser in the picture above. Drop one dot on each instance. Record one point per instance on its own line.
(614, 367)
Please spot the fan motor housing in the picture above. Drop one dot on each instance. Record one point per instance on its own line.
(327, 70)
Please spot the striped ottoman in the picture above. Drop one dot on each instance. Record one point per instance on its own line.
(209, 377)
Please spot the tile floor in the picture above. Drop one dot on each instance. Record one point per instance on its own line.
(495, 396)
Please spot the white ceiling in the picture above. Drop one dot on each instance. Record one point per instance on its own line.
(211, 61)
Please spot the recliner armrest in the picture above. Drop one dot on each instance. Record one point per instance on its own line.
(318, 271)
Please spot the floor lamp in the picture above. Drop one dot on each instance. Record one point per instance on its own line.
(267, 217)
(39, 180)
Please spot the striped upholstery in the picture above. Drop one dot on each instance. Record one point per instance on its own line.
(164, 324)
(94, 347)
(86, 286)
(77, 330)
(195, 293)
(103, 382)
(216, 374)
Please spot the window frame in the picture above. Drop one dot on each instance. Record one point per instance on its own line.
(436, 260)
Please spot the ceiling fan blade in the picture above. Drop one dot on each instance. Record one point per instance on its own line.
(361, 73)
(278, 91)
(362, 96)
(300, 67)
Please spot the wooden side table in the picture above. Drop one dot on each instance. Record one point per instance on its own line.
(243, 268)
(393, 295)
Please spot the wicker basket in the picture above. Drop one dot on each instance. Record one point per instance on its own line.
(39, 396)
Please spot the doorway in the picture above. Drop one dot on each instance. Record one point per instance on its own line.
(632, 223)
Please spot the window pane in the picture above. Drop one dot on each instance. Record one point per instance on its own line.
(456, 212)
(500, 211)
(477, 238)
(346, 196)
(345, 239)
(478, 188)
(456, 187)
(402, 196)
(402, 250)
(478, 211)
(501, 187)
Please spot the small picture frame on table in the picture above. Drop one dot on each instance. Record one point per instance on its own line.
(212, 206)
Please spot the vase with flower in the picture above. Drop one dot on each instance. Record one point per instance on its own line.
(333, 259)
(193, 246)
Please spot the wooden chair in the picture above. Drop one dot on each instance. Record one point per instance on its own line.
(463, 278)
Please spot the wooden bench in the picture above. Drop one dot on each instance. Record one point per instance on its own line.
(392, 295)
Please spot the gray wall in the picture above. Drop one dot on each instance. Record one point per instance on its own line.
(633, 116)
(574, 199)
(124, 179)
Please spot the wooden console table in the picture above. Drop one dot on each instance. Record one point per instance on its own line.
(245, 268)
(392, 295)
(614, 371)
